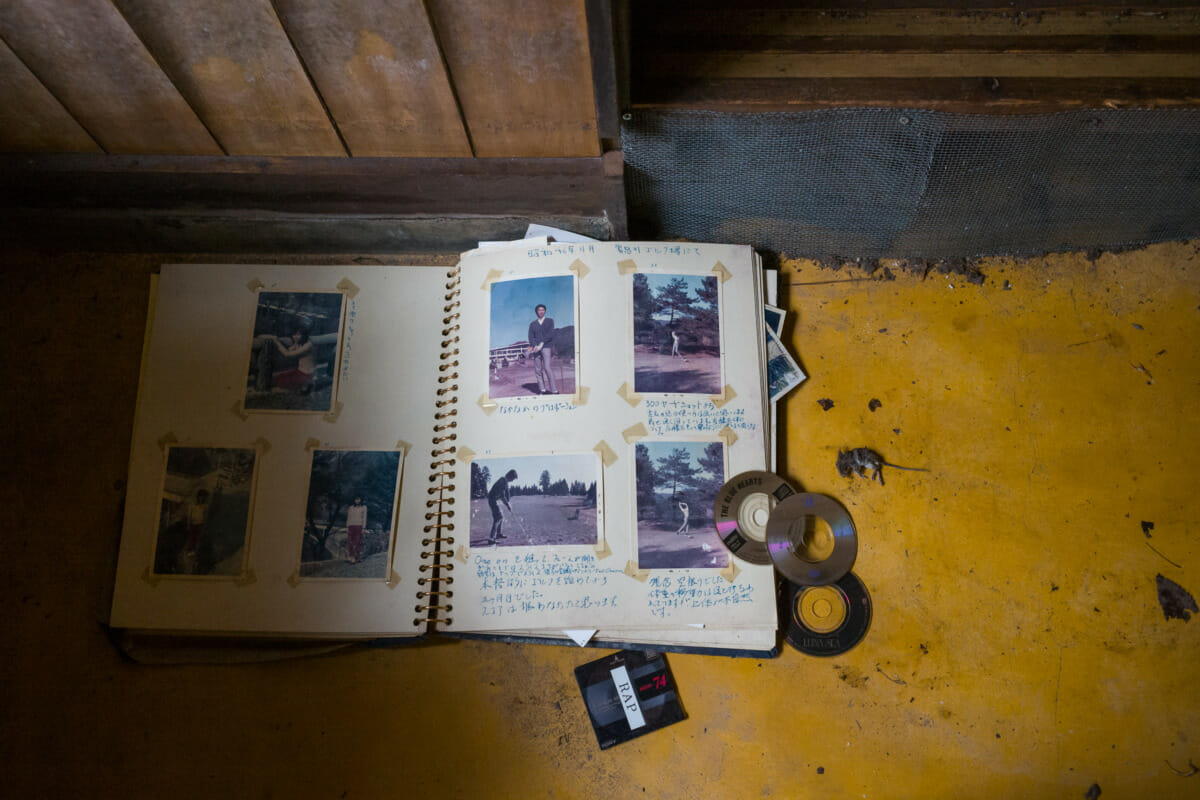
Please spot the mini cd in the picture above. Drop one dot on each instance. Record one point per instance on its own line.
(826, 620)
(804, 550)
(742, 509)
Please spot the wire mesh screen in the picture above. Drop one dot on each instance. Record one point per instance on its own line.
(914, 184)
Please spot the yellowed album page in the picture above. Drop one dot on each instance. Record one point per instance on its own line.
(607, 391)
(280, 455)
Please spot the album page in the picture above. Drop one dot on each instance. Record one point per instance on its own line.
(607, 392)
(280, 455)
(749, 640)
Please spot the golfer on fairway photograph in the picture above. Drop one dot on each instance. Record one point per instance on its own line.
(553, 504)
(683, 528)
(496, 495)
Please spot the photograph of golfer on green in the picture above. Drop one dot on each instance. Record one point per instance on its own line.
(535, 500)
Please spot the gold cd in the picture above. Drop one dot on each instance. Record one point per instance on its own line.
(811, 539)
(743, 509)
(822, 609)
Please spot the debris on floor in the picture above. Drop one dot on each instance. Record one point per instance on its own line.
(1176, 602)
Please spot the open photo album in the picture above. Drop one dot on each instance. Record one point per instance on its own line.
(526, 445)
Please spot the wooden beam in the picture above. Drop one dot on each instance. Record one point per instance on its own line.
(778, 45)
(308, 185)
(658, 22)
(976, 57)
(926, 65)
(854, 8)
(64, 198)
(88, 57)
(275, 233)
(602, 46)
(963, 95)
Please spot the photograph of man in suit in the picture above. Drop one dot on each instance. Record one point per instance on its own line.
(541, 345)
(532, 357)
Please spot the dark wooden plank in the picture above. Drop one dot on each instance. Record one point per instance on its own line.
(969, 57)
(654, 24)
(779, 45)
(313, 205)
(623, 52)
(602, 46)
(238, 232)
(522, 73)
(32, 119)
(392, 186)
(235, 65)
(867, 6)
(88, 57)
(377, 65)
(966, 95)
(923, 65)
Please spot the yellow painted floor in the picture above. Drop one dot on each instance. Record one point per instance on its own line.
(1018, 648)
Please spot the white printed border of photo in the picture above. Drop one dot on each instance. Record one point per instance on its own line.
(465, 525)
(546, 399)
(260, 448)
(631, 357)
(347, 298)
(703, 438)
(402, 449)
(796, 375)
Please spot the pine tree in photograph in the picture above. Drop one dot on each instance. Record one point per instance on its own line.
(703, 327)
(643, 309)
(337, 478)
(709, 486)
(646, 478)
(677, 470)
(675, 300)
(481, 478)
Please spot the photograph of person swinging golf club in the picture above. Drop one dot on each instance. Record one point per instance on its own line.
(676, 334)
(535, 500)
(531, 348)
(677, 483)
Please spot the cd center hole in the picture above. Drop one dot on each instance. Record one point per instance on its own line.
(760, 516)
(816, 543)
(822, 608)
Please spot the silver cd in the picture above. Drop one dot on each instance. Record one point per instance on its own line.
(742, 509)
(805, 553)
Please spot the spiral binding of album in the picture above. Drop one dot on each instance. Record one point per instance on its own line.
(437, 557)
